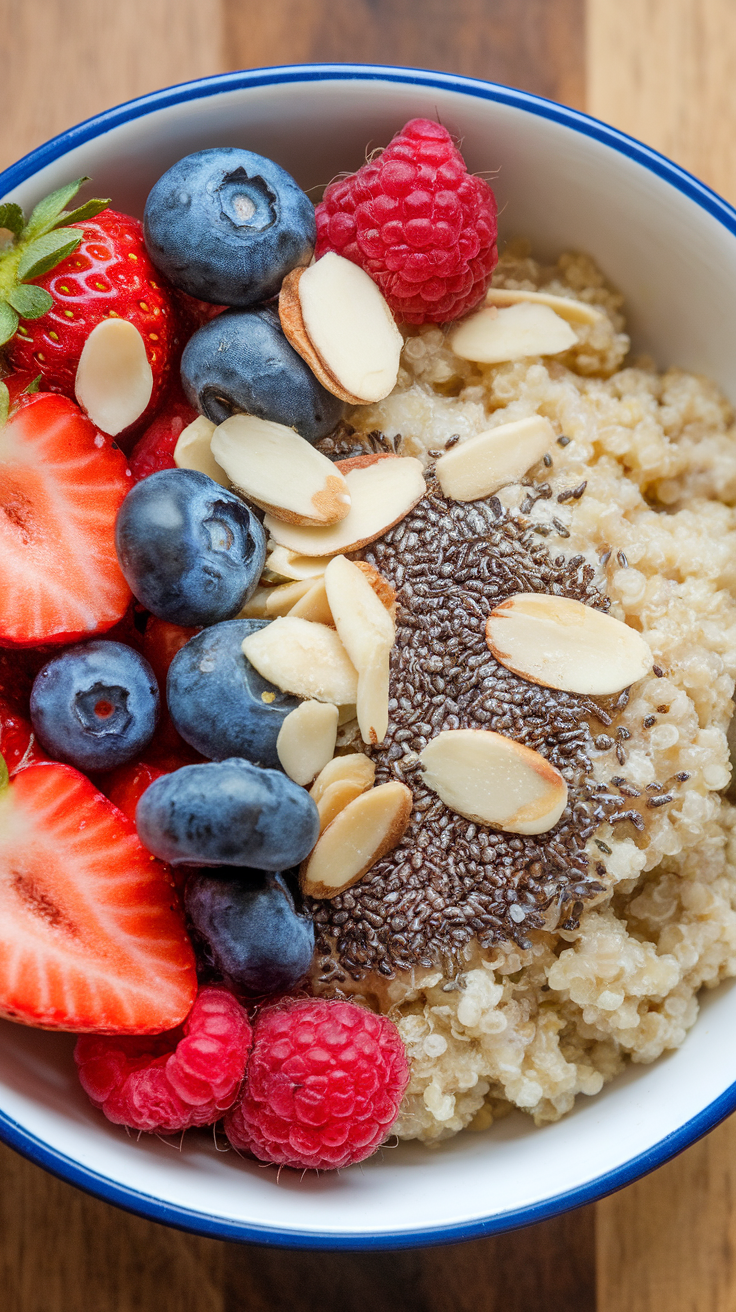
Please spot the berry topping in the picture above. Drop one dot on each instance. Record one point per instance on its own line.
(18, 745)
(241, 362)
(154, 449)
(228, 813)
(417, 222)
(126, 785)
(61, 484)
(323, 1085)
(104, 272)
(192, 552)
(226, 225)
(90, 936)
(247, 928)
(170, 1083)
(219, 703)
(96, 705)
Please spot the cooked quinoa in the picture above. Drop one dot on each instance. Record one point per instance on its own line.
(506, 1025)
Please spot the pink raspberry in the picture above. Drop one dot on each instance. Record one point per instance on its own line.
(417, 222)
(170, 1082)
(323, 1085)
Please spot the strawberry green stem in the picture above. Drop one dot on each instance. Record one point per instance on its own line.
(4, 776)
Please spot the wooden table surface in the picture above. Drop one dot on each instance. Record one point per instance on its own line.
(663, 70)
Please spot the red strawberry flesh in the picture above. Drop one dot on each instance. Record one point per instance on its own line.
(61, 485)
(91, 936)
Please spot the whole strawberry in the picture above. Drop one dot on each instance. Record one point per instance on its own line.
(67, 271)
(418, 223)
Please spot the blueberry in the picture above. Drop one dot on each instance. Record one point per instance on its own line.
(227, 226)
(228, 813)
(96, 705)
(246, 927)
(241, 363)
(192, 552)
(219, 703)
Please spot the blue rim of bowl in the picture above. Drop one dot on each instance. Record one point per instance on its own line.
(216, 1227)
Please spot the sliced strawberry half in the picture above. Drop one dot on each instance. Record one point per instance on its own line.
(61, 485)
(91, 936)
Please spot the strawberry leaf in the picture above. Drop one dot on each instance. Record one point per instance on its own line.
(86, 211)
(4, 412)
(33, 386)
(11, 217)
(46, 252)
(8, 322)
(30, 302)
(46, 214)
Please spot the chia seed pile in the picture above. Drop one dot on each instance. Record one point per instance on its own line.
(450, 880)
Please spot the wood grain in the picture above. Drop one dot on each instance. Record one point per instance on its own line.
(665, 70)
(534, 44)
(64, 60)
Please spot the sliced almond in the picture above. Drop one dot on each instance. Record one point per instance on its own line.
(255, 608)
(278, 470)
(313, 605)
(354, 766)
(382, 493)
(193, 450)
(334, 800)
(114, 380)
(484, 463)
(381, 586)
(336, 318)
(561, 643)
(364, 831)
(347, 713)
(306, 740)
(368, 458)
(288, 566)
(367, 633)
(566, 306)
(282, 599)
(491, 336)
(306, 659)
(494, 780)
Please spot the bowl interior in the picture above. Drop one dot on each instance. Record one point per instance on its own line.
(565, 183)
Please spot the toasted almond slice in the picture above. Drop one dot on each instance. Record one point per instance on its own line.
(278, 470)
(368, 458)
(354, 766)
(491, 336)
(255, 607)
(561, 643)
(484, 463)
(334, 800)
(306, 659)
(306, 740)
(381, 586)
(114, 380)
(193, 450)
(367, 633)
(369, 827)
(336, 318)
(494, 780)
(382, 493)
(566, 306)
(314, 604)
(282, 599)
(288, 566)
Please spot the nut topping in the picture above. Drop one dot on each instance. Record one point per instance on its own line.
(382, 492)
(484, 463)
(114, 380)
(306, 740)
(367, 634)
(303, 658)
(289, 566)
(334, 315)
(193, 450)
(491, 336)
(353, 767)
(364, 831)
(493, 780)
(275, 468)
(561, 643)
(566, 306)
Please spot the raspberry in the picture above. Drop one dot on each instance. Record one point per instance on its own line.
(170, 1082)
(323, 1085)
(417, 222)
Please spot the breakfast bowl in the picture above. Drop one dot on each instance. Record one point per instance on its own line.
(668, 244)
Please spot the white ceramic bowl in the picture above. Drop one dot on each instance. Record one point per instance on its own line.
(669, 243)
